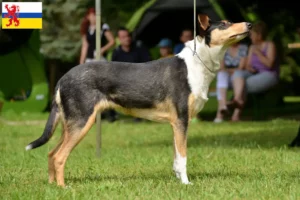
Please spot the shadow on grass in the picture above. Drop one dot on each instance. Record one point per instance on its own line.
(251, 175)
(161, 175)
(169, 176)
(124, 177)
(253, 140)
(266, 139)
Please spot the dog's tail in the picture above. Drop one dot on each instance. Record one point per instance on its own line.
(49, 129)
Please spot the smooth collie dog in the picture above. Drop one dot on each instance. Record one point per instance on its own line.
(170, 90)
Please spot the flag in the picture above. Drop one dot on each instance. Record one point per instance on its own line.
(22, 15)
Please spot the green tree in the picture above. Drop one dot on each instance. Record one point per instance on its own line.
(60, 35)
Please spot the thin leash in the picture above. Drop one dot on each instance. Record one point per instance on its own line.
(194, 51)
(203, 62)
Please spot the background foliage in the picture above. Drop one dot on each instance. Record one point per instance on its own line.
(61, 24)
(61, 38)
(282, 20)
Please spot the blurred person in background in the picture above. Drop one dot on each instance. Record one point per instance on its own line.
(88, 37)
(234, 58)
(165, 48)
(128, 51)
(186, 35)
(262, 69)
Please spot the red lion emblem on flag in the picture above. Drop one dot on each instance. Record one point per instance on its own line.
(12, 13)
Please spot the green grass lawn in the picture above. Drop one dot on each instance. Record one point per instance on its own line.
(248, 160)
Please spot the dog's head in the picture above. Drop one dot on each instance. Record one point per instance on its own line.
(222, 33)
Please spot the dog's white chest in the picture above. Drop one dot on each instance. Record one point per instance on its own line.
(199, 104)
(199, 71)
(199, 80)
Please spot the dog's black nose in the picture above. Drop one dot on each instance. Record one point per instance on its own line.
(249, 25)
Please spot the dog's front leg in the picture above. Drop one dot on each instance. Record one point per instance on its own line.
(180, 145)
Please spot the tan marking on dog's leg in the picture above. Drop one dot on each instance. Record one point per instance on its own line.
(180, 138)
(71, 138)
(180, 147)
(51, 167)
(191, 105)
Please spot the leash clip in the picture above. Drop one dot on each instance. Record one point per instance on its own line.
(194, 51)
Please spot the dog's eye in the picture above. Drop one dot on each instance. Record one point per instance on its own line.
(223, 24)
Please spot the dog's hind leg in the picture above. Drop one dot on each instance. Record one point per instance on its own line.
(71, 138)
(73, 134)
(180, 149)
(51, 167)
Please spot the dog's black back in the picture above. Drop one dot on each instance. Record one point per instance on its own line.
(129, 85)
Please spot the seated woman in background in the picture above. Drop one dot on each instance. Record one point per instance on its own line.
(235, 58)
(262, 69)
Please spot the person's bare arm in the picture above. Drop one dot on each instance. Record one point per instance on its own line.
(248, 61)
(111, 41)
(84, 48)
(222, 65)
(269, 59)
(243, 62)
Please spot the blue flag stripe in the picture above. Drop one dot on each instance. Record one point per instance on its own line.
(26, 15)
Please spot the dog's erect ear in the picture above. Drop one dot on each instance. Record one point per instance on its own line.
(203, 21)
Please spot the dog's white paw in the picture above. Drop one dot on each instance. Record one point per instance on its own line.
(187, 183)
(180, 171)
(177, 174)
(177, 170)
(184, 179)
(68, 187)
